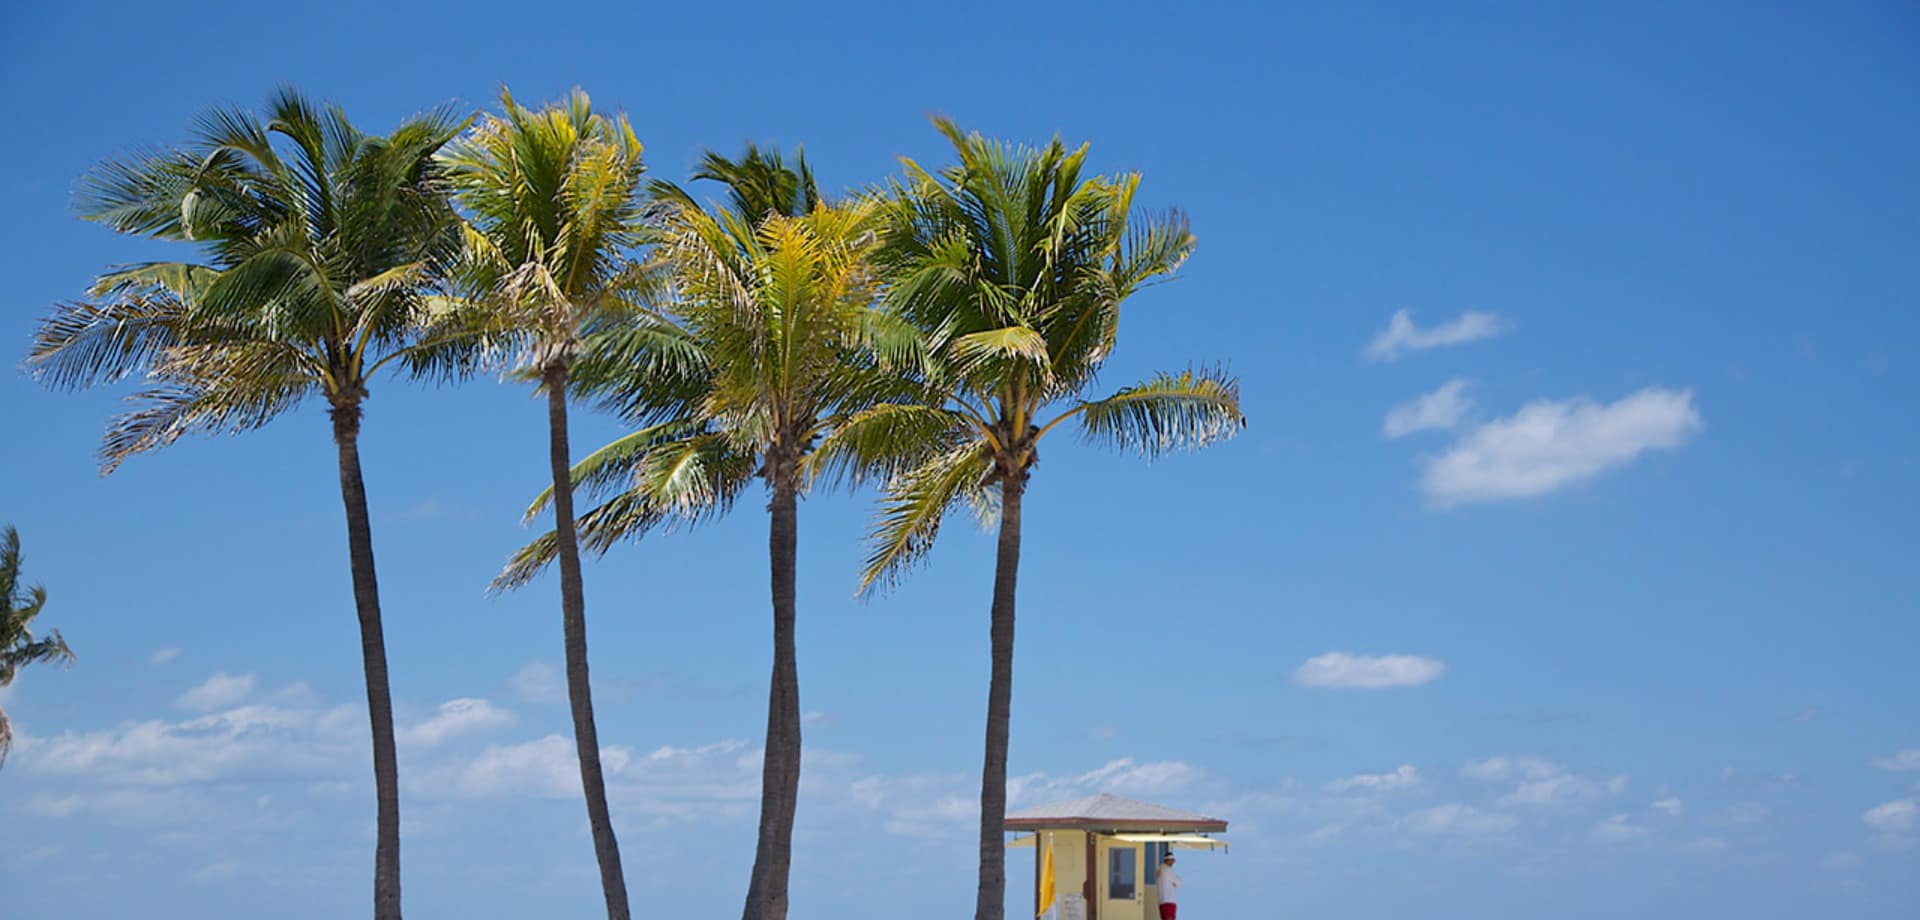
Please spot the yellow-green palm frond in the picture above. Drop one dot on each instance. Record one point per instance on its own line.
(915, 503)
(883, 441)
(684, 480)
(1166, 412)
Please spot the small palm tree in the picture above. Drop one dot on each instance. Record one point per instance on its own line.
(778, 338)
(1014, 268)
(19, 604)
(322, 247)
(553, 197)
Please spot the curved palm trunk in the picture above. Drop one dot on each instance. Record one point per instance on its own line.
(573, 615)
(991, 904)
(373, 654)
(780, 767)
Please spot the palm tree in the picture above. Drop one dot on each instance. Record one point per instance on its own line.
(322, 245)
(1014, 268)
(19, 604)
(777, 341)
(553, 197)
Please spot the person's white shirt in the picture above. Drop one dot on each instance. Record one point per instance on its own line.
(1169, 884)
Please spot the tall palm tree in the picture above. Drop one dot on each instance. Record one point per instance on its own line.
(778, 341)
(321, 248)
(19, 604)
(553, 197)
(1014, 267)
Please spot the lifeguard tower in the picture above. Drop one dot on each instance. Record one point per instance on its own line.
(1107, 850)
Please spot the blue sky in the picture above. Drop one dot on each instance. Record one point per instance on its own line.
(1583, 588)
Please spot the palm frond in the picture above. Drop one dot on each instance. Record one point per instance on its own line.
(1188, 410)
(916, 502)
(884, 441)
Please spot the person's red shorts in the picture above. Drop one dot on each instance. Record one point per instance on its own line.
(1167, 910)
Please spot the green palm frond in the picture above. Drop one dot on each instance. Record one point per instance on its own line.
(683, 481)
(883, 441)
(1167, 412)
(916, 502)
(320, 248)
(223, 389)
(1012, 265)
(553, 204)
(18, 647)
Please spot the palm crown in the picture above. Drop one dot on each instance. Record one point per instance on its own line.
(1013, 267)
(774, 344)
(554, 206)
(321, 247)
(19, 604)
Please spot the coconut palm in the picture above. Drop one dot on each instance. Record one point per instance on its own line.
(1014, 266)
(554, 201)
(775, 302)
(321, 245)
(19, 604)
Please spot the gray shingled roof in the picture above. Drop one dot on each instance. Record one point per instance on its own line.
(1111, 808)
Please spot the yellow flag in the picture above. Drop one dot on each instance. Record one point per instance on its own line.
(1046, 878)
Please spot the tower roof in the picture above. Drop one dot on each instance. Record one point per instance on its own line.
(1110, 813)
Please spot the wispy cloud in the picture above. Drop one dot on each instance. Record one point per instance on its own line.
(1897, 815)
(538, 682)
(1404, 777)
(1551, 445)
(1439, 410)
(1401, 336)
(218, 692)
(453, 719)
(1367, 672)
(1901, 762)
(163, 655)
(1456, 819)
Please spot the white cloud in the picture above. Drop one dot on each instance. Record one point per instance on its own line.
(1901, 762)
(1501, 768)
(258, 740)
(1367, 672)
(1672, 806)
(1550, 445)
(1439, 410)
(1565, 789)
(926, 805)
(1402, 336)
(705, 782)
(1708, 845)
(1617, 829)
(544, 768)
(163, 655)
(1897, 815)
(1406, 776)
(1545, 783)
(218, 692)
(948, 804)
(1120, 777)
(538, 682)
(1458, 820)
(455, 718)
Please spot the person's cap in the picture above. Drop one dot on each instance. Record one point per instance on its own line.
(1167, 858)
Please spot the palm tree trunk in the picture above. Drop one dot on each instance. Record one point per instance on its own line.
(573, 616)
(373, 654)
(991, 904)
(780, 767)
